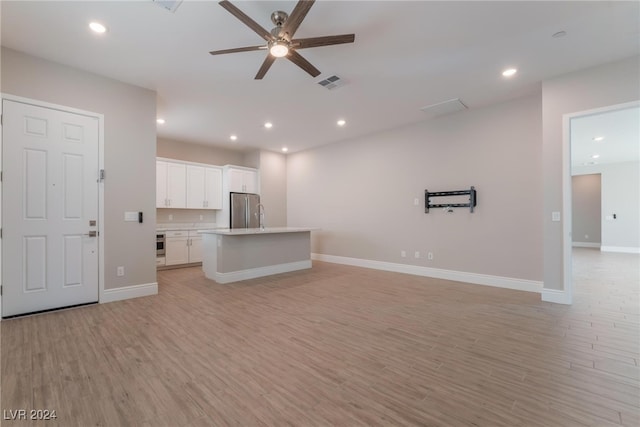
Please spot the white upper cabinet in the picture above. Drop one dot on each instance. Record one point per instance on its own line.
(188, 185)
(204, 187)
(242, 180)
(170, 185)
(213, 188)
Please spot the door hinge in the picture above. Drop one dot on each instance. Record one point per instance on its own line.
(101, 177)
(0, 290)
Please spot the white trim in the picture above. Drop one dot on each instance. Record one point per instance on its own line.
(586, 245)
(458, 276)
(556, 296)
(621, 249)
(252, 273)
(100, 118)
(127, 292)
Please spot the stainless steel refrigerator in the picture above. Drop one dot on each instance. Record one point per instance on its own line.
(244, 210)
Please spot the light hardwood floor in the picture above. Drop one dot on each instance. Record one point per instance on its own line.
(336, 346)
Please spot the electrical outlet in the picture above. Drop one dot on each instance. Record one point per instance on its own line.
(430, 256)
(586, 236)
(417, 254)
(120, 271)
(416, 202)
(170, 217)
(403, 254)
(201, 217)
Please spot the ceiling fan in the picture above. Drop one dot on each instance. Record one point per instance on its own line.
(280, 41)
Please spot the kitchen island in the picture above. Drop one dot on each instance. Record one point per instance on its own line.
(231, 255)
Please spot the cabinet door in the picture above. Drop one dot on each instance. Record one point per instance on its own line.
(176, 185)
(213, 188)
(236, 180)
(196, 187)
(161, 184)
(195, 249)
(177, 250)
(251, 182)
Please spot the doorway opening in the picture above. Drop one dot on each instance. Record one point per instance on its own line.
(601, 186)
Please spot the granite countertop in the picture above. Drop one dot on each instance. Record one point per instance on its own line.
(247, 231)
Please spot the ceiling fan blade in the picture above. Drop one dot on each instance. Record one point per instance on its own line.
(246, 20)
(297, 59)
(295, 19)
(268, 61)
(322, 41)
(237, 49)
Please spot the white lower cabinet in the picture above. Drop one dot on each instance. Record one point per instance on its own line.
(183, 247)
(195, 247)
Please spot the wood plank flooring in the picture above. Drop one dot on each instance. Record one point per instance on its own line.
(336, 346)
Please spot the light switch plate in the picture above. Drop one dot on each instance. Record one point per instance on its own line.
(131, 216)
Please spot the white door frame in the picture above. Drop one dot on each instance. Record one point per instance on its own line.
(567, 240)
(100, 118)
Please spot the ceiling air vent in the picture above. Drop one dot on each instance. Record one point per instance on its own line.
(331, 82)
(170, 5)
(443, 108)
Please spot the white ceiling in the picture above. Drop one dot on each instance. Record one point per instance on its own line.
(406, 55)
(620, 130)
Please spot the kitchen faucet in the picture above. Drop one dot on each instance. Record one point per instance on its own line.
(261, 212)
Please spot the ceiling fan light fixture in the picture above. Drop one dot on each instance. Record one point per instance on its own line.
(278, 49)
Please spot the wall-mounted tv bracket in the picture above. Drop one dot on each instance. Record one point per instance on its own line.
(471, 204)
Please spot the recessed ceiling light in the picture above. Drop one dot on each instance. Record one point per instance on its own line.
(509, 72)
(97, 27)
(233, 137)
(285, 149)
(595, 156)
(598, 138)
(160, 121)
(268, 125)
(342, 122)
(559, 34)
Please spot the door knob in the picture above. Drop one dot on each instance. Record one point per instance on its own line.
(92, 233)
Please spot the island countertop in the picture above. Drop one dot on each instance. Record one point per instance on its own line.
(245, 231)
(230, 255)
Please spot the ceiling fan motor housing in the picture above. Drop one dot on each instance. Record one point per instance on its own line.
(279, 17)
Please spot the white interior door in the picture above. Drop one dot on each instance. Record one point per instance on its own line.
(49, 208)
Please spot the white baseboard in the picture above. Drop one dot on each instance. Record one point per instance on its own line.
(556, 296)
(127, 292)
(252, 273)
(621, 249)
(458, 276)
(586, 245)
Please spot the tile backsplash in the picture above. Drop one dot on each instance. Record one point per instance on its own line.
(167, 216)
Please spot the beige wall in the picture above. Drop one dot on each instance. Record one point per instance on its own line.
(361, 193)
(188, 152)
(129, 153)
(583, 90)
(273, 187)
(586, 207)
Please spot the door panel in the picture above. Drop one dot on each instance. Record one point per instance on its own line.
(50, 193)
(35, 182)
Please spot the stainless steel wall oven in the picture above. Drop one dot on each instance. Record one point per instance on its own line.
(160, 244)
